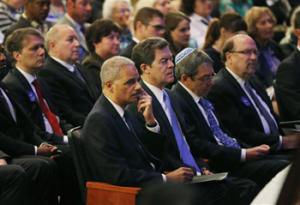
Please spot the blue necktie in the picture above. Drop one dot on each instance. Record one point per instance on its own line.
(215, 128)
(183, 147)
(78, 74)
(263, 111)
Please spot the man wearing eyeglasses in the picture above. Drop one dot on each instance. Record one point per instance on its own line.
(148, 22)
(241, 103)
(195, 73)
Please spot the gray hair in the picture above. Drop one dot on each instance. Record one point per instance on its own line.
(111, 68)
(108, 6)
(190, 64)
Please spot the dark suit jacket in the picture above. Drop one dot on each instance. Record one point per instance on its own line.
(203, 140)
(236, 112)
(287, 87)
(128, 50)
(169, 153)
(91, 67)
(114, 155)
(72, 98)
(17, 138)
(22, 92)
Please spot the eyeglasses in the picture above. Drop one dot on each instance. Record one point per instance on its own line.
(206, 78)
(247, 52)
(158, 27)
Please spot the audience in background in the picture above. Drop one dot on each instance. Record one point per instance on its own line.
(10, 12)
(199, 12)
(287, 87)
(178, 32)
(34, 16)
(57, 11)
(162, 5)
(148, 22)
(120, 11)
(218, 32)
(261, 22)
(103, 41)
(77, 15)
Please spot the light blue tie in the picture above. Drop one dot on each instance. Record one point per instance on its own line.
(183, 147)
(215, 128)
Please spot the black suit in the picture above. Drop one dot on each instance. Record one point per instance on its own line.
(91, 67)
(17, 137)
(114, 155)
(171, 156)
(237, 114)
(23, 93)
(287, 87)
(222, 158)
(128, 50)
(72, 97)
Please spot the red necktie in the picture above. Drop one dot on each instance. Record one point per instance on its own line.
(47, 112)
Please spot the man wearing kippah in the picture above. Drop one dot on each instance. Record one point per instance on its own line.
(195, 73)
(154, 61)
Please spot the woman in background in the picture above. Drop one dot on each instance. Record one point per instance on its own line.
(218, 32)
(178, 32)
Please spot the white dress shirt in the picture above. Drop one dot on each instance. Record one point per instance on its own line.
(196, 99)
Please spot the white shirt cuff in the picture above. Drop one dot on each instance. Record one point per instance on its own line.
(35, 150)
(155, 129)
(280, 143)
(243, 155)
(65, 139)
(164, 177)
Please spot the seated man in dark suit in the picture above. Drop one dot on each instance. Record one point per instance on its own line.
(241, 103)
(148, 22)
(115, 154)
(154, 60)
(194, 72)
(287, 87)
(14, 184)
(70, 91)
(18, 138)
(30, 92)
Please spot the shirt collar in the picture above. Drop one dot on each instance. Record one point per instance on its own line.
(237, 78)
(135, 39)
(298, 47)
(118, 108)
(68, 66)
(200, 18)
(30, 78)
(159, 94)
(194, 96)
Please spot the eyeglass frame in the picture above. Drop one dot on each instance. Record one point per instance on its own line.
(247, 52)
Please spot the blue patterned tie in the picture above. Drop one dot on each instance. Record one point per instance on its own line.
(215, 128)
(182, 145)
(263, 111)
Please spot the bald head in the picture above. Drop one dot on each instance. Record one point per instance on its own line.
(240, 55)
(62, 43)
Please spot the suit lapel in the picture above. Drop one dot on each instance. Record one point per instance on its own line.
(194, 107)
(161, 117)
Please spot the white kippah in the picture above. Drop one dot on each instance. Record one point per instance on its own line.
(184, 53)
